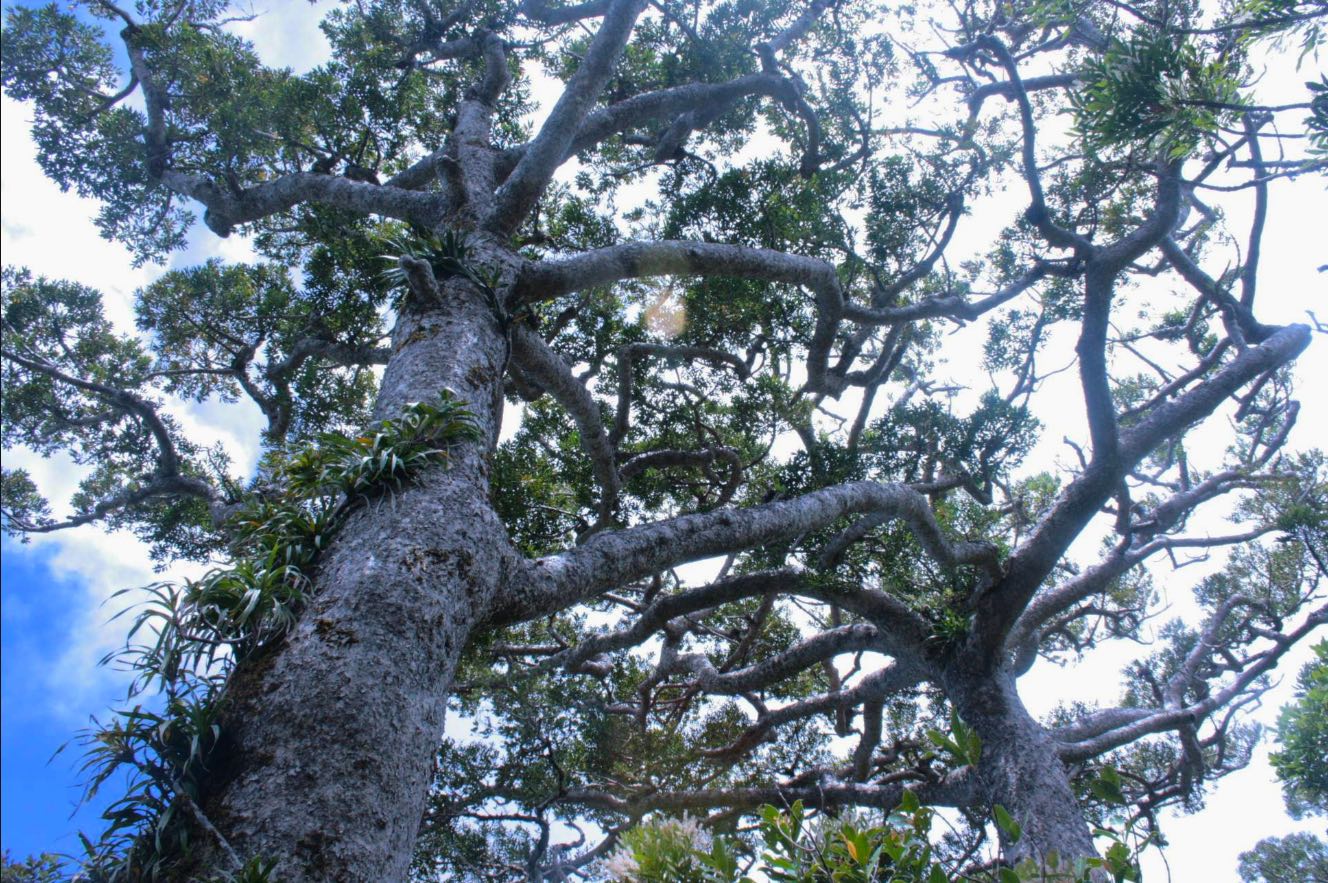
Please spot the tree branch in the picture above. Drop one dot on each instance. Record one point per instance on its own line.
(1130, 730)
(630, 260)
(227, 206)
(618, 557)
(1025, 570)
(955, 789)
(534, 357)
(628, 355)
(167, 480)
(1037, 213)
(548, 151)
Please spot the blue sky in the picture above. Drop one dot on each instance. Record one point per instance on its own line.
(38, 792)
(53, 591)
(53, 598)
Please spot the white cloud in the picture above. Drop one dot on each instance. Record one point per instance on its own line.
(52, 232)
(286, 35)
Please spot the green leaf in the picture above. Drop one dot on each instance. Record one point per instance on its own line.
(1013, 831)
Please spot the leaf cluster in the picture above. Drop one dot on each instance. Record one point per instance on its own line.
(1301, 761)
(792, 846)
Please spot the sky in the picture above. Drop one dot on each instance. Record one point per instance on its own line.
(54, 591)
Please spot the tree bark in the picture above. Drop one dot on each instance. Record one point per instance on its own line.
(1021, 770)
(328, 738)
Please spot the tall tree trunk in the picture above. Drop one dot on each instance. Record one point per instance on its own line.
(329, 738)
(1021, 770)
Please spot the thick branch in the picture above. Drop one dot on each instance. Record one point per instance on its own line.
(226, 208)
(547, 368)
(615, 558)
(543, 12)
(548, 151)
(1094, 377)
(545, 280)
(957, 789)
(632, 260)
(471, 135)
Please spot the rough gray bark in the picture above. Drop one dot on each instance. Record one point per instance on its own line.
(329, 736)
(1020, 768)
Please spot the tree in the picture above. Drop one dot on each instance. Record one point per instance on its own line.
(34, 869)
(742, 370)
(1291, 859)
(1302, 731)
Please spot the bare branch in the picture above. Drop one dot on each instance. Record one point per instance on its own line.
(1009, 89)
(547, 368)
(1240, 322)
(796, 30)
(950, 306)
(631, 260)
(548, 151)
(1129, 728)
(669, 458)
(627, 356)
(618, 557)
(801, 656)
(670, 607)
(1037, 212)
(998, 609)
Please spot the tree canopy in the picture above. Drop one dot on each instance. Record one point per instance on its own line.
(1301, 760)
(1302, 729)
(1285, 860)
(654, 403)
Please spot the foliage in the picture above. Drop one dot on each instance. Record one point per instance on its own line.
(792, 846)
(44, 868)
(448, 255)
(210, 331)
(833, 191)
(962, 743)
(1295, 858)
(1302, 732)
(1155, 92)
(205, 321)
(672, 849)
